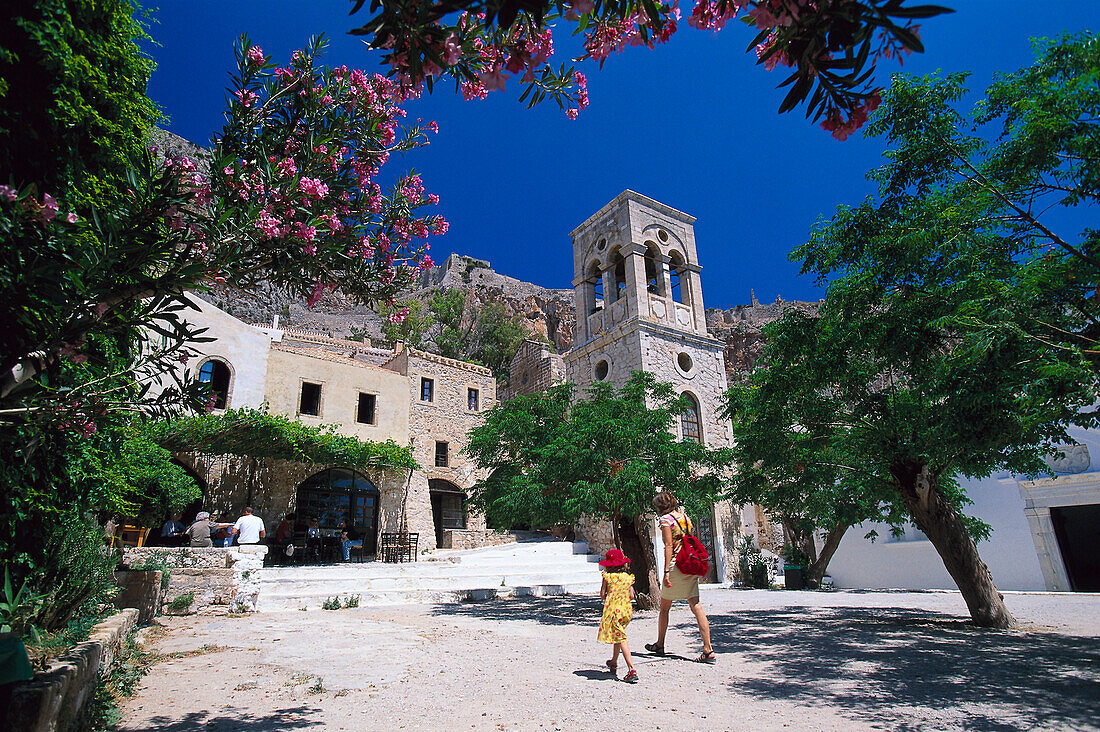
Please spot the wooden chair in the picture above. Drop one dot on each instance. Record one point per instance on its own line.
(399, 546)
(130, 536)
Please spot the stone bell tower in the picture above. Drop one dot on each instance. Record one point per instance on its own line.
(640, 308)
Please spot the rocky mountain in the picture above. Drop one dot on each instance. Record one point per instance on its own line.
(740, 327)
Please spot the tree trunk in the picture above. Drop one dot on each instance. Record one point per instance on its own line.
(653, 598)
(816, 571)
(942, 524)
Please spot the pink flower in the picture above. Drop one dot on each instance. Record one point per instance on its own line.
(49, 208)
(398, 316)
(183, 357)
(452, 50)
(8, 193)
(71, 217)
(571, 113)
(313, 187)
(256, 55)
(287, 167)
(493, 79)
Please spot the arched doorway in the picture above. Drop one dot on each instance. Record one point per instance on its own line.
(448, 507)
(339, 493)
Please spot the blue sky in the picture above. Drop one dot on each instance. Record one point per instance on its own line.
(692, 124)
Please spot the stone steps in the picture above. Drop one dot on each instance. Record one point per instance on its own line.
(527, 568)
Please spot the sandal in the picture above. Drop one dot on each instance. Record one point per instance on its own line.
(655, 648)
(631, 677)
(612, 666)
(706, 657)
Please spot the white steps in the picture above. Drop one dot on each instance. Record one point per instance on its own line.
(528, 568)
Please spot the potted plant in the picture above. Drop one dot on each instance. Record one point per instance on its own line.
(795, 561)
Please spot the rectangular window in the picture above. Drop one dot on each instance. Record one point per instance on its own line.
(365, 413)
(427, 390)
(311, 399)
(472, 399)
(441, 454)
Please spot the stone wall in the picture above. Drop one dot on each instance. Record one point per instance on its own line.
(55, 698)
(445, 418)
(220, 581)
(475, 538)
(534, 369)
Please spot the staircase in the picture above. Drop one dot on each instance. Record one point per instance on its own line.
(537, 568)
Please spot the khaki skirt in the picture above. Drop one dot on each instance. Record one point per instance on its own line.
(684, 586)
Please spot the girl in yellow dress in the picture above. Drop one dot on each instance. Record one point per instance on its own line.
(617, 594)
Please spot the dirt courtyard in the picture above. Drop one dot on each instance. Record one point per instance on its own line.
(843, 660)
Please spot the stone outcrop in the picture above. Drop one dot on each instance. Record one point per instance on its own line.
(740, 329)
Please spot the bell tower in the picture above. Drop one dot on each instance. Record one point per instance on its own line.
(639, 304)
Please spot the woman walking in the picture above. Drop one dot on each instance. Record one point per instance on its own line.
(674, 525)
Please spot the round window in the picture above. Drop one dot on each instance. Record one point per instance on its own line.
(662, 235)
(684, 362)
(601, 370)
(601, 244)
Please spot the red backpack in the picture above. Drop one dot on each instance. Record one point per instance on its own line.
(692, 557)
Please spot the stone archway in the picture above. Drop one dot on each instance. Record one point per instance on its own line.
(339, 493)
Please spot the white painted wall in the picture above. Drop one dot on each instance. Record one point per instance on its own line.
(240, 345)
(914, 565)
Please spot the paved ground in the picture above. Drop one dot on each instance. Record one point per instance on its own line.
(788, 660)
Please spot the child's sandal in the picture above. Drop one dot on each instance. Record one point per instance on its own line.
(631, 676)
(612, 666)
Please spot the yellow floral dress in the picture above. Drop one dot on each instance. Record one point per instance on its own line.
(617, 610)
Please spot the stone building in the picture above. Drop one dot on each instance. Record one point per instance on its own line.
(401, 394)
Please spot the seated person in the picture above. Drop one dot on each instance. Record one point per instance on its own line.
(222, 533)
(199, 532)
(313, 538)
(172, 533)
(349, 538)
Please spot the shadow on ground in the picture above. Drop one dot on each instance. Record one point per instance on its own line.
(559, 610)
(238, 720)
(896, 666)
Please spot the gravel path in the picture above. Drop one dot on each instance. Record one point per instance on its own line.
(787, 660)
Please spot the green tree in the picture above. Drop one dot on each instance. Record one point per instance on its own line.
(470, 331)
(801, 475)
(554, 459)
(947, 346)
(411, 329)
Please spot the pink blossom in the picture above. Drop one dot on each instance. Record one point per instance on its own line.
(398, 316)
(571, 113)
(452, 50)
(313, 187)
(493, 79)
(256, 55)
(71, 217)
(49, 208)
(8, 193)
(287, 166)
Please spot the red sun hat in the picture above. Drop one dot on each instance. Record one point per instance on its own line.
(614, 558)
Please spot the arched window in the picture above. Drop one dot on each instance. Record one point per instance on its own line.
(216, 373)
(339, 494)
(595, 276)
(676, 270)
(690, 427)
(653, 269)
(618, 269)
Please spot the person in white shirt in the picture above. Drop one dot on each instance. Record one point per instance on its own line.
(249, 529)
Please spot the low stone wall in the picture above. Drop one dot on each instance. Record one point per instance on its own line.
(54, 699)
(218, 580)
(475, 538)
(140, 590)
